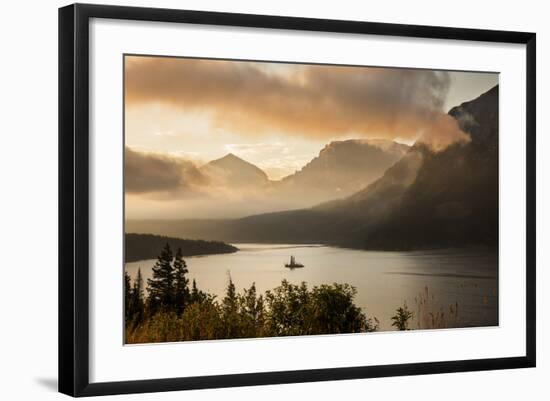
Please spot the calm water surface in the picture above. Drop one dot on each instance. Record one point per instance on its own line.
(384, 280)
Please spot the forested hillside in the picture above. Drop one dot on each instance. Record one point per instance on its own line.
(146, 246)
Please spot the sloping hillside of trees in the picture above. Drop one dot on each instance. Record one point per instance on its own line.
(146, 246)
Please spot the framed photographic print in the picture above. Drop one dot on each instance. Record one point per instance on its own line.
(277, 199)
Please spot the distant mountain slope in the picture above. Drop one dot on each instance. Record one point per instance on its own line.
(341, 222)
(342, 168)
(356, 216)
(425, 200)
(454, 199)
(148, 246)
(231, 170)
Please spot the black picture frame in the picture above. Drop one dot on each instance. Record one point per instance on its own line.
(74, 192)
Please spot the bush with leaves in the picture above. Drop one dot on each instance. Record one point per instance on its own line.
(402, 317)
(287, 310)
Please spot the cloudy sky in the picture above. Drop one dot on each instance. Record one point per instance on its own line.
(279, 116)
(185, 112)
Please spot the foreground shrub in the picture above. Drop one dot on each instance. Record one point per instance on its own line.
(287, 310)
(174, 312)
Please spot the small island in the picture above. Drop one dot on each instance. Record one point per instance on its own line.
(146, 246)
(293, 264)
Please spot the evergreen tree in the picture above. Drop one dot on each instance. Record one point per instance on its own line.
(137, 303)
(127, 296)
(161, 286)
(195, 292)
(198, 296)
(252, 312)
(230, 299)
(181, 283)
(230, 309)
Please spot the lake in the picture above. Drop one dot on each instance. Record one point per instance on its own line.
(384, 280)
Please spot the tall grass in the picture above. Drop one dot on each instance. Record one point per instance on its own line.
(431, 315)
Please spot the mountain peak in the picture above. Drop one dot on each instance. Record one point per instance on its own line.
(231, 159)
(479, 118)
(345, 167)
(234, 170)
(230, 156)
(386, 145)
(488, 97)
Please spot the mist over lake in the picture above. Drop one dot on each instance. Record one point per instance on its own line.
(384, 280)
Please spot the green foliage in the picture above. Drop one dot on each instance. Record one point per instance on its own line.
(402, 317)
(137, 303)
(181, 283)
(201, 321)
(334, 310)
(230, 312)
(161, 286)
(197, 296)
(134, 304)
(252, 313)
(127, 296)
(174, 312)
(146, 246)
(327, 309)
(287, 310)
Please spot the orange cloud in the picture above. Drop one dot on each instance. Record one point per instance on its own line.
(153, 173)
(309, 100)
